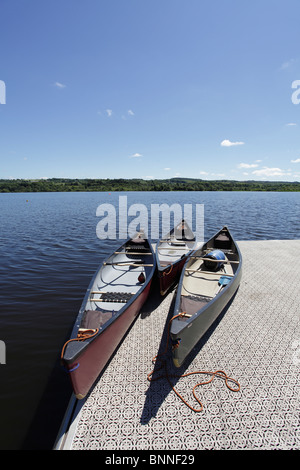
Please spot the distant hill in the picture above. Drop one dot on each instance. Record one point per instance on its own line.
(120, 184)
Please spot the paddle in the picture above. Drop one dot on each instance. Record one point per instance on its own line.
(223, 281)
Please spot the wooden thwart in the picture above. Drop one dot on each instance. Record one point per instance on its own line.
(119, 301)
(121, 263)
(108, 292)
(131, 253)
(172, 248)
(208, 272)
(215, 260)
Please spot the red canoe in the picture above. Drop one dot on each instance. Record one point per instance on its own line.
(171, 254)
(113, 300)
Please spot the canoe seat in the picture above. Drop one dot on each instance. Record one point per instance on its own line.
(137, 247)
(138, 240)
(222, 241)
(95, 318)
(191, 304)
(116, 297)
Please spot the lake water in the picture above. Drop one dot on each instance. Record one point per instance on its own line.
(48, 253)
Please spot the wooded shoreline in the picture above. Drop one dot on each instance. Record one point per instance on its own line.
(120, 184)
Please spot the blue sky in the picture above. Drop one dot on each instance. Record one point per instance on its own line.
(150, 89)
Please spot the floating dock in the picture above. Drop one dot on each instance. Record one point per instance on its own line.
(256, 341)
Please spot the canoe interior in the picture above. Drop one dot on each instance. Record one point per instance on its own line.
(175, 245)
(115, 286)
(201, 282)
(171, 253)
(120, 279)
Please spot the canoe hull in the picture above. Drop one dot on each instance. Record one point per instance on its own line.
(170, 276)
(92, 361)
(185, 334)
(191, 335)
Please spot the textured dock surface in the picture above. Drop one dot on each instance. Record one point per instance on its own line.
(256, 341)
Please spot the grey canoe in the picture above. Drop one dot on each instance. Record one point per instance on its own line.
(206, 285)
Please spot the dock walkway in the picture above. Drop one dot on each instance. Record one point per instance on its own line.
(256, 341)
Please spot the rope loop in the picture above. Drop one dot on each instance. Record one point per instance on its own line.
(166, 273)
(81, 336)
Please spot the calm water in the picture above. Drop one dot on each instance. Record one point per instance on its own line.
(48, 253)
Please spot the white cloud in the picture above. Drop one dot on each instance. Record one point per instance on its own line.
(290, 124)
(266, 171)
(228, 143)
(287, 64)
(59, 85)
(296, 161)
(167, 169)
(136, 155)
(110, 113)
(247, 165)
(203, 173)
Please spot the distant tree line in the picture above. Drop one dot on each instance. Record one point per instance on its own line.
(120, 184)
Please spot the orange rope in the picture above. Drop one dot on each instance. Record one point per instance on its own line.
(217, 373)
(81, 336)
(166, 349)
(165, 273)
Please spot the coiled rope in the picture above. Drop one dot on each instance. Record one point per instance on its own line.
(166, 375)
